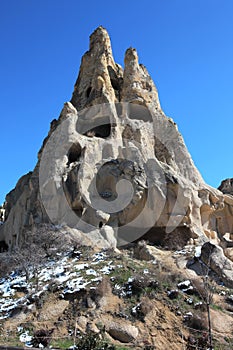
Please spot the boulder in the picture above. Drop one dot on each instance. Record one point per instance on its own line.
(142, 251)
(122, 332)
(213, 256)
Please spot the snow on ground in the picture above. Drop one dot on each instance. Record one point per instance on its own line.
(70, 275)
(25, 337)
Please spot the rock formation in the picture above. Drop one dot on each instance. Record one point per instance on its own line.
(115, 168)
(226, 186)
(2, 215)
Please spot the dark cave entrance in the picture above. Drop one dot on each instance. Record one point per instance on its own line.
(88, 92)
(3, 247)
(102, 131)
(74, 153)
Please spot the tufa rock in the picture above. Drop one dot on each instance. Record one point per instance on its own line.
(213, 256)
(142, 251)
(114, 168)
(123, 332)
(100, 78)
(226, 186)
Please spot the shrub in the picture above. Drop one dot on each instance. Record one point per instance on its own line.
(42, 336)
(200, 289)
(143, 309)
(6, 265)
(141, 284)
(198, 322)
(103, 288)
(93, 341)
(199, 342)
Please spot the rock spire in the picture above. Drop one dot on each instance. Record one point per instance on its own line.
(101, 80)
(114, 168)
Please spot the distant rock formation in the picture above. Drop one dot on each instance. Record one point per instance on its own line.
(226, 186)
(115, 168)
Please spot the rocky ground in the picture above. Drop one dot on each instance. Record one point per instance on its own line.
(141, 297)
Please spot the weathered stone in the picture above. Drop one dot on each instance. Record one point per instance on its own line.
(2, 215)
(229, 252)
(100, 78)
(108, 233)
(115, 169)
(123, 332)
(213, 256)
(145, 252)
(226, 186)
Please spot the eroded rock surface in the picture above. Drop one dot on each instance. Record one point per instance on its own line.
(122, 331)
(226, 186)
(213, 256)
(114, 167)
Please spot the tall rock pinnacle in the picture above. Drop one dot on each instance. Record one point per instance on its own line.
(101, 80)
(138, 87)
(115, 169)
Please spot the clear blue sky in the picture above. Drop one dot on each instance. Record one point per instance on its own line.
(187, 46)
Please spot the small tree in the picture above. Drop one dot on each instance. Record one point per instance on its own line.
(205, 289)
(27, 259)
(44, 242)
(50, 240)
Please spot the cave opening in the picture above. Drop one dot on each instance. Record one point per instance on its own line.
(102, 131)
(3, 247)
(74, 153)
(139, 112)
(115, 84)
(88, 92)
(174, 240)
(78, 211)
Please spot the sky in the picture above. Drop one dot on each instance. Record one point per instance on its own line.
(186, 45)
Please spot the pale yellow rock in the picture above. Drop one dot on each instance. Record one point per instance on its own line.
(115, 169)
